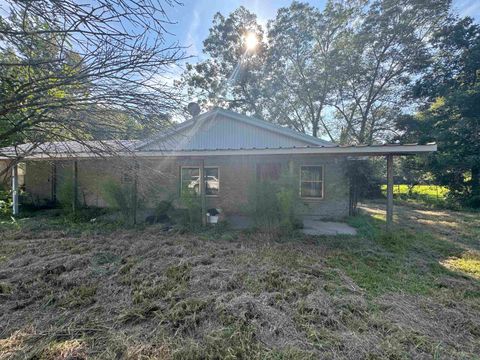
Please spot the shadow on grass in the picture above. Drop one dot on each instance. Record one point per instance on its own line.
(402, 260)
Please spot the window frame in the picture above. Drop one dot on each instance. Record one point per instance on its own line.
(322, 182)
(198, 167)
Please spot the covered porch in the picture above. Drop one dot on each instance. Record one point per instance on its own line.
(200, 158)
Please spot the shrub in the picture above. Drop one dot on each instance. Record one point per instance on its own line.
(121, 197)
(290, 204)
(190, 213)
(5, 203)
(275, 205)
(66, 194)
(163, 210)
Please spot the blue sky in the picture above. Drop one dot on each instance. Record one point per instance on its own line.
(194, 17)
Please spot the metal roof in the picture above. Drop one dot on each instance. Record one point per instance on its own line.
(217, 132)
(224, 129)
(68, 147)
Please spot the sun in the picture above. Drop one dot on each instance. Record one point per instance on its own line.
(250, 40)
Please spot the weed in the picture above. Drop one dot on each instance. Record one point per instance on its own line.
(105, 258)
(175, 281)
(79, 296)
(185, 313)
(5, 288)
(137, 313)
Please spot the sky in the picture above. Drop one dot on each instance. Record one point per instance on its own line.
(194, 17)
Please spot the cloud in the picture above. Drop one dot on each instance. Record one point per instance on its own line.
(192, 32)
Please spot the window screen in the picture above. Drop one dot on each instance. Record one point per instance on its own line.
(311, 181)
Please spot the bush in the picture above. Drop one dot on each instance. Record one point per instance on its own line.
(5, 203)
(66, 194)
(190, 214)
(275, 205)
(121, 197)
(163, 210)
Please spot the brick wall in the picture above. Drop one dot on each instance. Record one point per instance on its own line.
(159, 179)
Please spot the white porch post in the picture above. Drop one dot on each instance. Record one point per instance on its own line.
(15, 190)
(389, 192)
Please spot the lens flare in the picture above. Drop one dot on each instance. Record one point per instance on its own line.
(251, 41)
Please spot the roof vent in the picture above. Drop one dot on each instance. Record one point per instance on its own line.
(193, 109)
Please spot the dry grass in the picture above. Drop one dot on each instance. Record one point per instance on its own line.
(76, 292)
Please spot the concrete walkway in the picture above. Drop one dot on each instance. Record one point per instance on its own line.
(318, 227)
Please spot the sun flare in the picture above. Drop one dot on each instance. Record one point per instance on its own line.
(251, 41)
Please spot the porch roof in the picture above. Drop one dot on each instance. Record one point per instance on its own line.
(128, 149)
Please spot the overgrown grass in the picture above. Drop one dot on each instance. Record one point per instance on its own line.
(71, 289)
(382, 262)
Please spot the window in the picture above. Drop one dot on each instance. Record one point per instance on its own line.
(311, 182)
(190, 177)
(212, 181)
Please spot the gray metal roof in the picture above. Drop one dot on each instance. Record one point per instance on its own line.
(215, 132)
(223, 129)
(69, 147)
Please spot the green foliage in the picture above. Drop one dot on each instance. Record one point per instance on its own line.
(66, 195)
(5, 204)
(452, 115)
(352, 59)
(164, 209)
(433, 195)
(275, 205)
(189, 215)
(224, 47)
(82, 295)
(121, 197)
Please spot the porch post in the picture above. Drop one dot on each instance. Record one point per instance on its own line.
(389, 192)
(15, 190)
(75, 186)
(202, 193)
(135, 193)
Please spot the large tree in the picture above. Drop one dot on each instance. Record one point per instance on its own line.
(301, 65)
(79, 71)
(451, 114)
(381, 55)
(340, 73)
(231, 74)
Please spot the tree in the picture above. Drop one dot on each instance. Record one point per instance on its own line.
(380, 56)
(451, 115)
(230, 76)
(69, 69)
(301, 65)
(341, 73)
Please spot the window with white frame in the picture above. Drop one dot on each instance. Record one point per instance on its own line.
(311, 181)
(190, 180)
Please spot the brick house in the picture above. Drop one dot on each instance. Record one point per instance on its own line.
(231, 150)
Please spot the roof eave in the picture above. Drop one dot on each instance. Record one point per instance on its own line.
(373, 150)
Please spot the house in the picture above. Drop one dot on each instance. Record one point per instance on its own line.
(230, 150)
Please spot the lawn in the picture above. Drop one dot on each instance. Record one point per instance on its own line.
(434, 195)
(87, 290)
